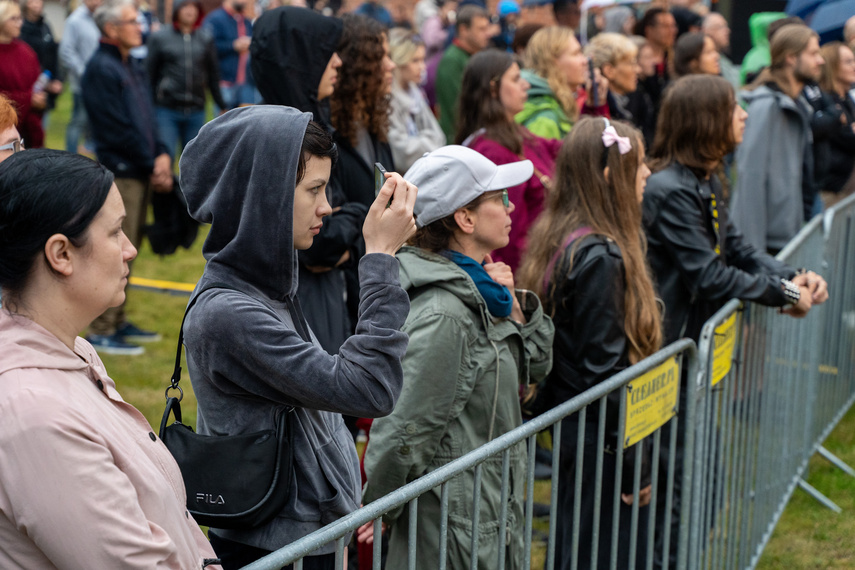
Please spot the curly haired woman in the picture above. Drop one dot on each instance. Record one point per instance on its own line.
(360, 105)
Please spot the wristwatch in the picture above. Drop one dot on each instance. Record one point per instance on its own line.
(791, 291)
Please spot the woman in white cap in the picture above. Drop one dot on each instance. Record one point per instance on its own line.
(476, 344)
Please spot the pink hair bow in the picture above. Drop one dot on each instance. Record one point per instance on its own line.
(611, 137)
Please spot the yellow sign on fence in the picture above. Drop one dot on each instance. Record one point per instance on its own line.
(725, 342)
(651, 400)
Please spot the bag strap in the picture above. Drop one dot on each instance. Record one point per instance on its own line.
(176, 372)
(574, 235)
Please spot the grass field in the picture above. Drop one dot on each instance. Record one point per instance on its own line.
(808, 535)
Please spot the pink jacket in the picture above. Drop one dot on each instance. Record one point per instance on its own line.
(84, 482)
(528, 198)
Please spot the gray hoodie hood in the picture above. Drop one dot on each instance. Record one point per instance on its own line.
(239, 175)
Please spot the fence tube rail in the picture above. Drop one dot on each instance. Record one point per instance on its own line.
(372, 511)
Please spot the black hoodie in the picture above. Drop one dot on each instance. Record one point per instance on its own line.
(290, 51)
(249, 353)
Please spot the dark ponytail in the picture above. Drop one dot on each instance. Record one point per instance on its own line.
(42, 193)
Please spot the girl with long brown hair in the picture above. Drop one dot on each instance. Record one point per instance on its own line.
(586, 260)
(698, 256)
(492, 93)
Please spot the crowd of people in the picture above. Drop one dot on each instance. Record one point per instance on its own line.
(550, 214)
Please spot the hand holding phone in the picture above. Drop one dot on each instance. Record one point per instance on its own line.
(594, 91)
(379, 178)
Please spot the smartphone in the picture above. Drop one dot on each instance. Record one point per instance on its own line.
(379, 178)
(594, 94)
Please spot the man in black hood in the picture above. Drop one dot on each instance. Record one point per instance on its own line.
(294, 62)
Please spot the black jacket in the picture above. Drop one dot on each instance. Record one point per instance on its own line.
(590, 344)
(118, 101)
(181, 66)
(39, 36)
(635, 108)
(833, 141)
(692, 280)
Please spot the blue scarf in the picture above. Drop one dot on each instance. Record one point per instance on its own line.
(498, 297)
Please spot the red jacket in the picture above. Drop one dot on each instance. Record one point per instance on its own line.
(19, 70)
(528, 198)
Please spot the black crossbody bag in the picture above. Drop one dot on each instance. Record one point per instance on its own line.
(236, 481)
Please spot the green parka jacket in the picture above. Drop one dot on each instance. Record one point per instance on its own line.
(462, 374)
(542, 113)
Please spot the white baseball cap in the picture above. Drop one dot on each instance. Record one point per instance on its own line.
(452, 176)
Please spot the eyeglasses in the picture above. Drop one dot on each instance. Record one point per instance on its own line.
(14, 146)
(133, 22)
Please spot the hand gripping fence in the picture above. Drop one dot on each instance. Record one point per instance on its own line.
(759, 396)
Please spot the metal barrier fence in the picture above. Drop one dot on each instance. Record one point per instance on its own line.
(655, 383)
(768, 390)
(771, 389)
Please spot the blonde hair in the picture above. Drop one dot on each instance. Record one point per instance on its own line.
(831, 55)
(8, 8)
(610, 48)
(543, 49)
(403, 45)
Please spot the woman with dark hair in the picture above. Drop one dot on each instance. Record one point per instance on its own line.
(585, 260)
(84, 483)
(492, 93)
(475, 343)
(698, 256)
(258, 176)
(360, 105)
(695, 52)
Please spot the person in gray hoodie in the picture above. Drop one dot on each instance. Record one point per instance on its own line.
(775, 160)
(257, 174)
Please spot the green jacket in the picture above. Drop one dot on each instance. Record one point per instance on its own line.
(542, 114)
(462, 374)
(449, 75)
(758, 56)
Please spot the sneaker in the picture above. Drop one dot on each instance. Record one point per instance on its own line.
(129, 331)
(114, 344)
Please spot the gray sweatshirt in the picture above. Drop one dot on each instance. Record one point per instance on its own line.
(767, 200)
(251, 353)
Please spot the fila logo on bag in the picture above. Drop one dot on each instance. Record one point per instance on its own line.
(210, 499)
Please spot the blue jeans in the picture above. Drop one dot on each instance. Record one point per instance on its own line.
(78, 125)
(237, 95)
(174, 125)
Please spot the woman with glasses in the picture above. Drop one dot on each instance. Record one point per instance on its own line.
(10, 138)
(617, 58)
(475, 343)
(19, 74)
